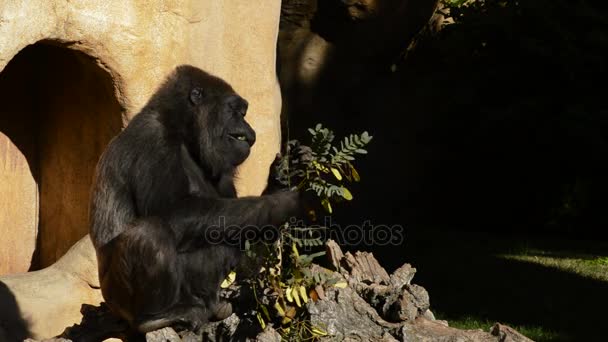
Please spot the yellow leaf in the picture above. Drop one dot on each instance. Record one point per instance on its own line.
(325, 203)
(261, 320)
(291, 312)
(318, 332)
(303, 294)
(346, 194)
(355, 174)
(229, 280)
(285, 320)
(319, 167)
(341, 284)
(336, 173)
(312, 215)
(279, 309)
(296, 297)
(288, 295)
(295, 249)
(314, 295)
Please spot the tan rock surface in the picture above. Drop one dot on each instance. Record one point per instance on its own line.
(46, 158)
(49, 300)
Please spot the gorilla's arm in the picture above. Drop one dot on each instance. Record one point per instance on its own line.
(195, 216)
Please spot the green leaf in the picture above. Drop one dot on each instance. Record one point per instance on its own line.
(365, 137)
(261, 320)
(318, 254)
(265, 311)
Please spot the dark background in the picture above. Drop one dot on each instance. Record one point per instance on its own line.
(490, 136)
(497, 122)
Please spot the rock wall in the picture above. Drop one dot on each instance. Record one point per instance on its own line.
(72, 73)
(58, 121)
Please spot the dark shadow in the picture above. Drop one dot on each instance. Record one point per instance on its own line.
(98, 324)
(356, 91)
(465, 277)
(59, 111)
(496, 123)
(13, 327)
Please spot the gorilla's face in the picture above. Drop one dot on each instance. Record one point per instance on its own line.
(227, 137)
(237, 136)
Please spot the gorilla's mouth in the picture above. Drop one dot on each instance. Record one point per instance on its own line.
(241, 137)
(237, 136)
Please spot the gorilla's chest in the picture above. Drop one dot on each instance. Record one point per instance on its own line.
(194, 176)
(198, 184)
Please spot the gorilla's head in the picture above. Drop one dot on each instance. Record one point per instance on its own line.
(208, 116)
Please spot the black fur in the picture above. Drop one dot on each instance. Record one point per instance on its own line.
(160, 186)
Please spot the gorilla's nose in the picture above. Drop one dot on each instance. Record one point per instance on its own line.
(238, 104)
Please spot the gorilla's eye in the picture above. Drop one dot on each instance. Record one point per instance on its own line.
(196, 96)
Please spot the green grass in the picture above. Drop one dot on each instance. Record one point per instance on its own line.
(588, 266)
(537, 333)
(548, 289)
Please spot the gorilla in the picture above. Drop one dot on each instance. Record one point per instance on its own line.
(165, 220)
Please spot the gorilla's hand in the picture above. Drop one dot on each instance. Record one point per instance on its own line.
(278, 179)
(287, 171)
(300, 155)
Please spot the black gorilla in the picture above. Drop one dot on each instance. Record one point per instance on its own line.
(164, 205)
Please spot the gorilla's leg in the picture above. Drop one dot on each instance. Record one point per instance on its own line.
(202, 277)
(142, 276)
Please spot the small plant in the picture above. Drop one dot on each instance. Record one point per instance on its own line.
(285, 282)
(326, 160)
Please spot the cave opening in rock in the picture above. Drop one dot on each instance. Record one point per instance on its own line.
(58, 112)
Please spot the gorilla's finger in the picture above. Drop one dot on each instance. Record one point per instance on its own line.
(304, 153)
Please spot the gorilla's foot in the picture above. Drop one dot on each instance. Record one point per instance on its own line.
(191, 318)
(221, 311)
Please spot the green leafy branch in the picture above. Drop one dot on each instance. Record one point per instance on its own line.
(286, 282)
(327, 159)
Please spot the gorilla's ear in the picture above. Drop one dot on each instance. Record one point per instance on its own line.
(196, 96)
